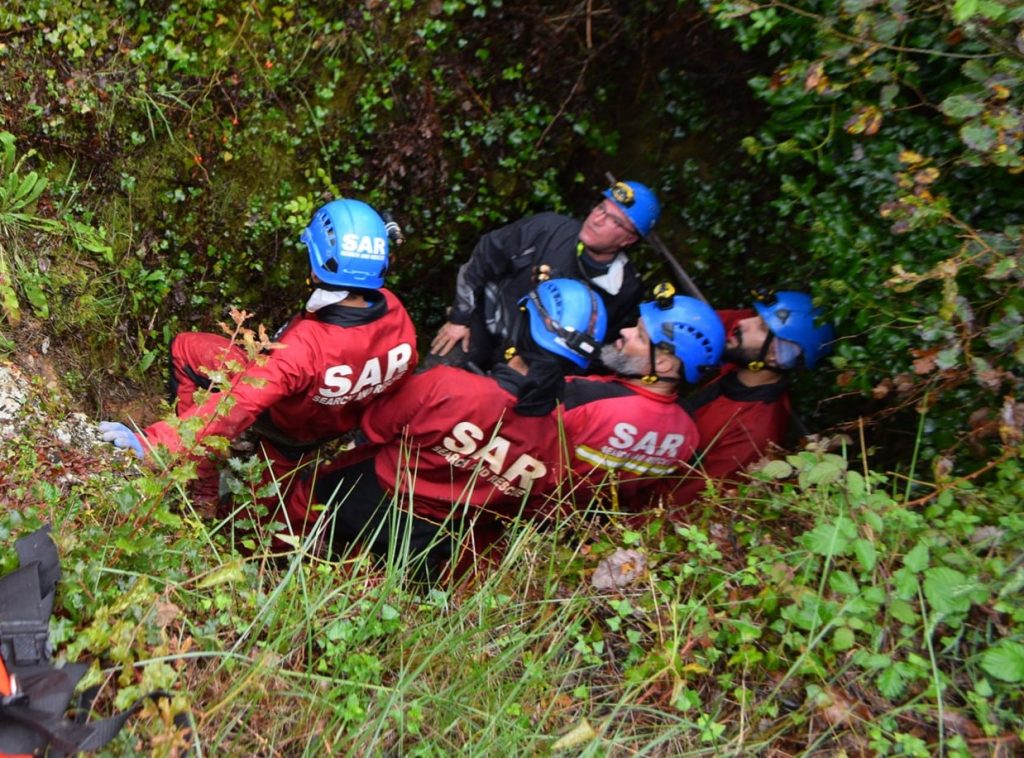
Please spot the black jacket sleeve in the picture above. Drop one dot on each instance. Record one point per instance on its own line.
(488, 263)
(499, 255)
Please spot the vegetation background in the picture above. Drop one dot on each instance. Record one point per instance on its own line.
(157, 161)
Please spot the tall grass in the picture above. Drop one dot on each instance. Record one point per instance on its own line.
(765, 625)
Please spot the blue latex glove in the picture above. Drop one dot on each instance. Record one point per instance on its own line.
(121, 436)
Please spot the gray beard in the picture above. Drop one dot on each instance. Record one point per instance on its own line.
(620, 363)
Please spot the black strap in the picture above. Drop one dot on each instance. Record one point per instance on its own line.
(26, 601)
(34, 728)
(38, 730)
(32, 717)
(103, 731)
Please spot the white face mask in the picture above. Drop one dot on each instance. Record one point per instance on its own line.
(322, 298)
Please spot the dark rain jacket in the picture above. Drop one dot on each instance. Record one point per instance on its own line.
(501, 272)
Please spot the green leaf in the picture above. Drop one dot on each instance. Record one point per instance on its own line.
(829, 539)
(903, 611)
(7, 140)
(167, 518)
(27, 190)
(147, 359)
(891, 683)
(873, 520)
(228, 573)
(962, 106)
(1005, 661)
(991, 9)
(978, 136)
(8, 295)
(872, 661)
(888, 95)
(843, 638)
(976, 70)
(823, 472)
(843, 583)
(866, 553)
(905, 583)
(964, 9)
(917, 559)
(776, 470)
(855, 484)
(36, 297)
(947, 590)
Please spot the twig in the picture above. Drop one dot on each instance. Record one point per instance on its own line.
(590, 25)
(959, 480)
(563, 106)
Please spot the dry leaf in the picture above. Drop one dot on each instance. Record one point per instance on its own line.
(582, 733)
(924, 363)
(619, 569)
(882, 389)
(166, 613)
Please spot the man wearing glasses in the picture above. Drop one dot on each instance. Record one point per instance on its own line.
(508, 262)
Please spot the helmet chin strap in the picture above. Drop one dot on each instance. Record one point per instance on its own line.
(651, 377)
(760, 363)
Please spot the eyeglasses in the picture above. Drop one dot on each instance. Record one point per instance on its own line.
(625, 226)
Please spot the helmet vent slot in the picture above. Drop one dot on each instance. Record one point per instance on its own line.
(325, 221)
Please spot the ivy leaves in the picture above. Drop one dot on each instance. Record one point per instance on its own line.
(990, 117)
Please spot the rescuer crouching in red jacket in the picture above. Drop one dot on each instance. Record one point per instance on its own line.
(453, 456)
(353, 342)
(627, 431)
(746, 409)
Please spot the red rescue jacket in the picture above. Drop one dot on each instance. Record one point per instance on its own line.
(450, 440)
(737, 423)
(315, 385)
(626, 433)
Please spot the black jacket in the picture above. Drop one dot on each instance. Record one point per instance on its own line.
(501, 271)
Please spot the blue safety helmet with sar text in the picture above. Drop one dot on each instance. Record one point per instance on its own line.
(567, 318)
(638, 202)
(791, 316)
(686, 327)
(348, 245)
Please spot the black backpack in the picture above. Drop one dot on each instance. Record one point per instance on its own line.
(35, 694)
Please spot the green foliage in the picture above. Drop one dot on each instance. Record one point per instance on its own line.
(158, 164)
(1005, 661)
(815, 609)
(896, 136)
(201, 136)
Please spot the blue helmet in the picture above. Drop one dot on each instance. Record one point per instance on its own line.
(790, 316)
(348, 245)
(686, 327)
(638, 202)
(567, 318)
